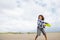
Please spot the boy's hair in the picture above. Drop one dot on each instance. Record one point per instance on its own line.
(41, 16)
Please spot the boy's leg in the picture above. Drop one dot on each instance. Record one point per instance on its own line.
(36, 37)
(44, 33)
(38, 33)
(45, 37)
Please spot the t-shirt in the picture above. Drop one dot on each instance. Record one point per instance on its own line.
(40, 23)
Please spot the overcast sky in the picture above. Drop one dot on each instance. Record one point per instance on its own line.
(21, 15)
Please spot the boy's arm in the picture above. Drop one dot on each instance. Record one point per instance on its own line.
(45, 22)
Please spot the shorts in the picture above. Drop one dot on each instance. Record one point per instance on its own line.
(40, 30)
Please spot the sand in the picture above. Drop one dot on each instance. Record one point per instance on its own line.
(51, 36)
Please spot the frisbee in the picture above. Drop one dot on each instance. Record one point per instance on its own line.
(48, 25)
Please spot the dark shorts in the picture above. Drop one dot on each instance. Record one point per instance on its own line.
(40, 30)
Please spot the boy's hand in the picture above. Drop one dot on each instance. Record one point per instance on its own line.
(46, 23)
(44, 26)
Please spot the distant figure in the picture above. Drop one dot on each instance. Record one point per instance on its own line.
(40, 27)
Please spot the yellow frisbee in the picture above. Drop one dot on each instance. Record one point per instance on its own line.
(48, 25)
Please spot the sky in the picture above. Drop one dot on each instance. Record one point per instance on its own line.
(22, 15)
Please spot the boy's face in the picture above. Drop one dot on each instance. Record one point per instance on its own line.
(41, 17)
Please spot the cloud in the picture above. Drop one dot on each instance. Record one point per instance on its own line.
(24, 18)
(14, 12)
(8, 4)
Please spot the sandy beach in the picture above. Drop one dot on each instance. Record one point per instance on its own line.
(51, 36)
